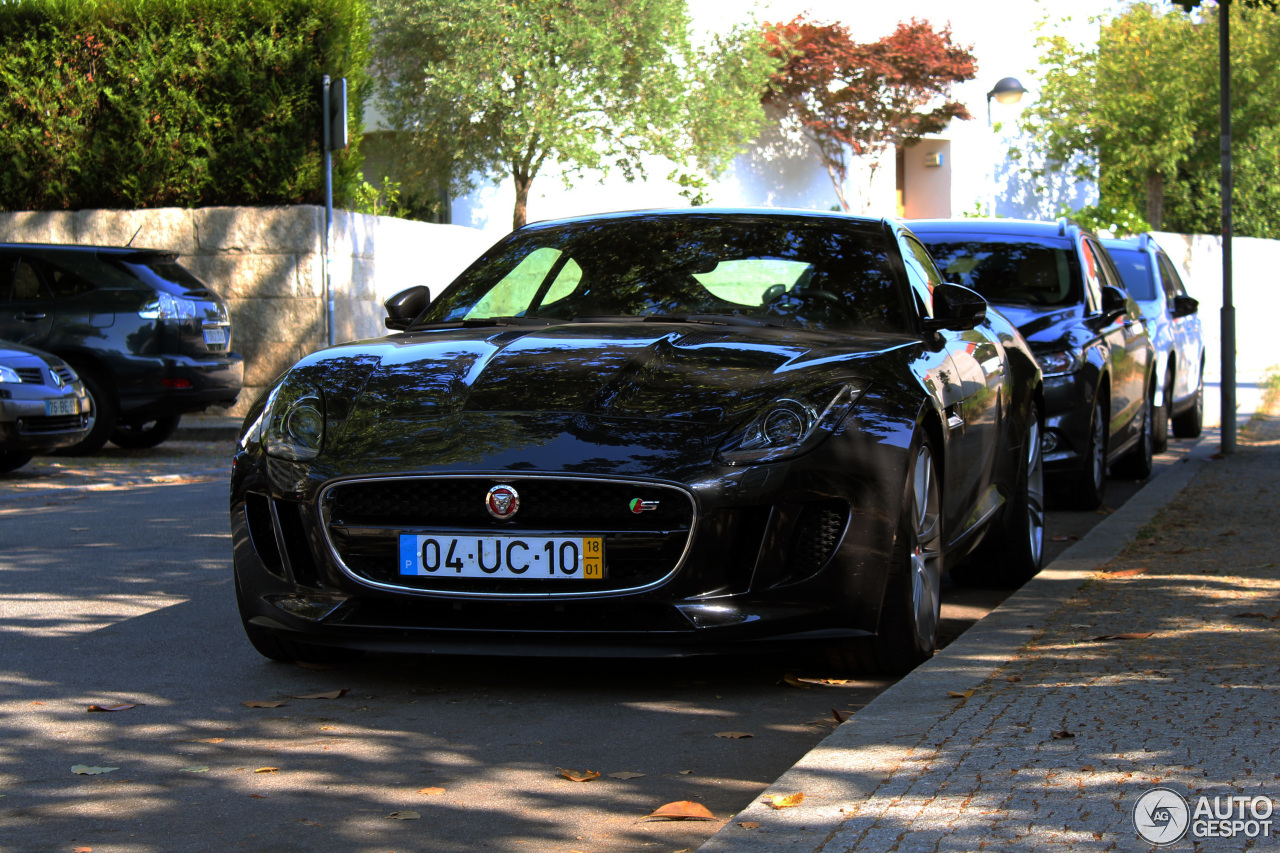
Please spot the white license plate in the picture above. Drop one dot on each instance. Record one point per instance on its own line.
(216, 336)
(60, 406)
(528, 557)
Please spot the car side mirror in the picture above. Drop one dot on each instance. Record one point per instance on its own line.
(405, 306)
(956, 307)
(1185, 306)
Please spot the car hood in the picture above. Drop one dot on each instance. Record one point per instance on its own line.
(12, 352)
(1054, 327)
(693, 380)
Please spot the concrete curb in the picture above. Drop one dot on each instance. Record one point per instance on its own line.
(857, 757)
(208, 428)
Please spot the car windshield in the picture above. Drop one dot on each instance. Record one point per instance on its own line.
(755, 270)
(1135, 270)
(1009, 270)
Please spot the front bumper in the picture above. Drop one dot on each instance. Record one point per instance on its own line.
(26, 427)
(1068, 399)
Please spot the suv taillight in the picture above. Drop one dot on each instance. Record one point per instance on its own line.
(168, 307)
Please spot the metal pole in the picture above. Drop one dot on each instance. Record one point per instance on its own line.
(1228, 308)
(328, 217)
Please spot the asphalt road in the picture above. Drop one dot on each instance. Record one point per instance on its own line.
(115, 590)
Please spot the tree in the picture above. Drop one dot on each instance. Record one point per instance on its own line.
(1142, 107)
(504, 87)
(864, 98)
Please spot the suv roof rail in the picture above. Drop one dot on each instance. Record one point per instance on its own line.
(1063, 223)
(1144, 241)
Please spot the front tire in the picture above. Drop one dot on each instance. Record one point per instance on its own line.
(1137, 464)
(1160, 433)
(912, 609)
(1086, 488)
(13, 461)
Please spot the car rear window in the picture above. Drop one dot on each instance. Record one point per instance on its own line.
(1010, 270)
(1135, 270)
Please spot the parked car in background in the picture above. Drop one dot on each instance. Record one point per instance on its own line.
(1056, 282)
(1173, 323)
(43, 405)
(149, 340)
(660, 433)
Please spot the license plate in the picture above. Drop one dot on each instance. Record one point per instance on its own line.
(511, 557)
(60, 406)
(215, 337)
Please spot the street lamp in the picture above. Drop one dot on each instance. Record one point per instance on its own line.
(1007, 91)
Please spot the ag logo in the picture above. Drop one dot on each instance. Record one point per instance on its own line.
(1161, 816)
(502, 502)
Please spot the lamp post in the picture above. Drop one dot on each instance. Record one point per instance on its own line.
(1007, 90)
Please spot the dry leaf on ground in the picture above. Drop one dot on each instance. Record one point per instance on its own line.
(405, 815)
(331, 694)
(734, 735)
(578, 775)
(267, 770)
(259, 797)
(256, 704)
(685, 772)
(784, 801)
(1013, 678)
(124, 707)
(195, 768)
(625, 774)
(683, 810)
(82, 850)
(792, 681)
(1063, 735)
(1126, 573)
(86, 770)
(749, 824)
(963, 694)
(431, 792)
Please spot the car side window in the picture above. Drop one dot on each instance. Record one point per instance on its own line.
(921, 272)
(27, 286)
(1170, 280)
(1093, 274)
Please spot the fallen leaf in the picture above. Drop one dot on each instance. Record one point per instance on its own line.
(625, 774)
(785, 801)
(1013, 678)
(964, 694)
(206, 740)
(1063, 735)
(685, 772)
(332, 694)
(431, 792)
(328, 728)
(82, 850)
(1133, 636)
(264, 704)
(578, 775)
(85, 770)
(38, 703)
(791, 680)
(114, 707)
(267, 770)
(749, 824)
(1087, 768)
(404, 815)
(1227, 533)
(195, 768)
(259, 796)
(1103, 510)
(734, 735)
(841, 716)
(305, 822)
(1127, 573)
(683, 810)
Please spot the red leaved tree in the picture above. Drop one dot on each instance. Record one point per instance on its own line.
(865, 98)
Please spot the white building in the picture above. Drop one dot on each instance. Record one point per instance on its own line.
(965, 170)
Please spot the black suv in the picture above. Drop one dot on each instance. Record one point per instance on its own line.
(1061, 289)
(149, 340)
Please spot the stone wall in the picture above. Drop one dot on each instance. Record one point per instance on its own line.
(267, 263)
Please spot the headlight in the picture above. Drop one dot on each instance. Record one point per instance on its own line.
(1063, 361)
(9, 376)
(789, 427)
(294, 420)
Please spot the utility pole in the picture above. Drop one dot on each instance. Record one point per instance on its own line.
(1228, 386)
(335, 138)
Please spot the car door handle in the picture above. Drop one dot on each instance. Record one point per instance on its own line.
(30, 315)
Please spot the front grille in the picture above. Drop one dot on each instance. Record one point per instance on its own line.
(816, 538)
(65, 372)
(31, 375)
(365, 519)
(59, 423)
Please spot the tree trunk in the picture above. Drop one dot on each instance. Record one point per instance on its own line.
(523, 181)
(1155, 200)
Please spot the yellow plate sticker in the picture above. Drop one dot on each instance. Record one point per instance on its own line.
(593, 559)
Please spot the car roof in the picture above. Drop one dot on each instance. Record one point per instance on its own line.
(116, 251)
(744, 212)
(994, 227)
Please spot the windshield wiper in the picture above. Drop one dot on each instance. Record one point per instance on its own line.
(715, 320)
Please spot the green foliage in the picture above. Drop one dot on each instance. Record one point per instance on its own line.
(384, 200)
(1119, 221)
(502, 87)
(1138, 112)
(153, 103)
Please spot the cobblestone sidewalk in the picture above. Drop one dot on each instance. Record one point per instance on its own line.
(1109, 675)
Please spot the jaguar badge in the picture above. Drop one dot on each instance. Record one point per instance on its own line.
(502, 502)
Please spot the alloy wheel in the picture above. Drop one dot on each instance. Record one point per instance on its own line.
(926, 554)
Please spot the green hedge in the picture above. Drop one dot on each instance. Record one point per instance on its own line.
(174, 103)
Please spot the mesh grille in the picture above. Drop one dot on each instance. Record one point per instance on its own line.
(60, 423)
(31, 375)
(816, 539)
(66, 374)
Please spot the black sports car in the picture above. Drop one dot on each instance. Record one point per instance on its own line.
(652, 433)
